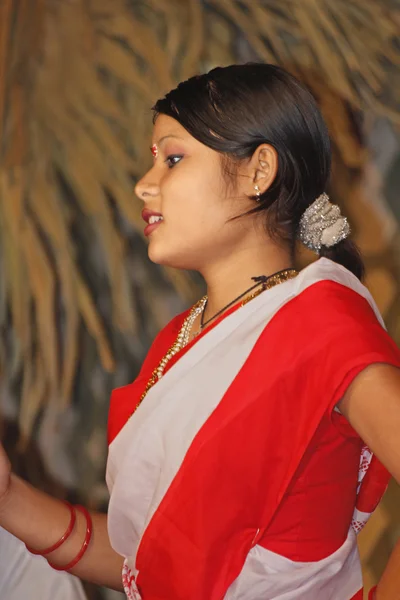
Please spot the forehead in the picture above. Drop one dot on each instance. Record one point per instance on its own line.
(166, 126)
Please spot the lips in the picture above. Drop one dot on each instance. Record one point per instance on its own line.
(146, 214)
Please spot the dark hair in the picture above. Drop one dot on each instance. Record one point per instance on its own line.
(235, 109)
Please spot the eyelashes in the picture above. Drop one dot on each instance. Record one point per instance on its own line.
(172, 160)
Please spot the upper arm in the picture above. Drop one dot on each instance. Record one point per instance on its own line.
(371, 404)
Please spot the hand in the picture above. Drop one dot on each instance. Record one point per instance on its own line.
(5, 472)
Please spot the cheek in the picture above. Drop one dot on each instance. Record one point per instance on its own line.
(195, 216)
(190, 199)
(186, 238)
(191, 244)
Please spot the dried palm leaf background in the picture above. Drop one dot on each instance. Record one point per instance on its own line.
(77, 80)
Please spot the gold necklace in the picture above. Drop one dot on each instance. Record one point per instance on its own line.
(184, 333)
(261, 283)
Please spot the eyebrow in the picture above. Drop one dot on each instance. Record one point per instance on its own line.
(170, 135)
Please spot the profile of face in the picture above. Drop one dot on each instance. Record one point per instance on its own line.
(187, 186)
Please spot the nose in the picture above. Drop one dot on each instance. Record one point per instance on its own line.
(146, 189)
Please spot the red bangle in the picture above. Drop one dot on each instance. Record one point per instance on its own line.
(88, 536)
(63, 538)
(371, 595)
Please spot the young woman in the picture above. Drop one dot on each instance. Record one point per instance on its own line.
(242, 459)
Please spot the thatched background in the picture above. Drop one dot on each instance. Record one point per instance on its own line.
(79, 301)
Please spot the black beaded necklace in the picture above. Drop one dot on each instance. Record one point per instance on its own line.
(260, 280)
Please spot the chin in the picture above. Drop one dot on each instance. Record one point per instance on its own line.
(157, 256)
(166, 259)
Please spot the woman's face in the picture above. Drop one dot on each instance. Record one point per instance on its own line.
(186, 187)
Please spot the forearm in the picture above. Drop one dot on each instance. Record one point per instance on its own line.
(389, 584)
(40, 520)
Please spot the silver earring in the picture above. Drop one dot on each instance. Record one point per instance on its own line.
(258, 192)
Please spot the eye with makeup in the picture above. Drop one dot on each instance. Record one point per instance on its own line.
(172, 160)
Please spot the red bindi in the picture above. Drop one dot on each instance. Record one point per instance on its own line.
(154, 150)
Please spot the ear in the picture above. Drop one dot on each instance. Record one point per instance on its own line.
(263, 167)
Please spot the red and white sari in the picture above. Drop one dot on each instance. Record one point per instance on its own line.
(236, 478)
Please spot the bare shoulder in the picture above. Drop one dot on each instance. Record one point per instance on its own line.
(372, 406)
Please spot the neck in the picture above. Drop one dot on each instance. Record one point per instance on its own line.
(229, 279)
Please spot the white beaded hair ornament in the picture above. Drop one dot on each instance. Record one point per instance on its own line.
(322, 224)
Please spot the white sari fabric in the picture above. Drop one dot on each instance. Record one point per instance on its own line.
(24, 576)
(197, 474)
